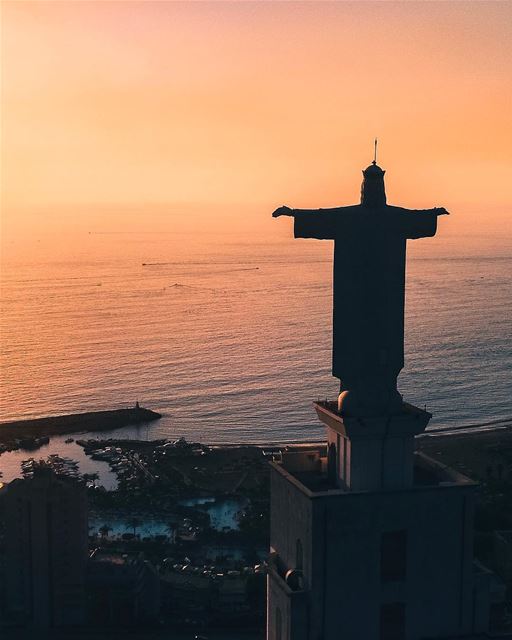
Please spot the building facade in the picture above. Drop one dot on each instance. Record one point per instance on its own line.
(123, 588)
(45, 550)
(370, 540)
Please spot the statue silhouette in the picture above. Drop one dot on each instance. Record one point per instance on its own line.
(369, 290)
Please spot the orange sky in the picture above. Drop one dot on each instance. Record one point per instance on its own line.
(224, 110)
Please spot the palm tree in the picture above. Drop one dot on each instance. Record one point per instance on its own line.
(104, 529)
(134, 523)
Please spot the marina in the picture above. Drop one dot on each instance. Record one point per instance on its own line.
(143, 490)
(59, 465)
(11, 462)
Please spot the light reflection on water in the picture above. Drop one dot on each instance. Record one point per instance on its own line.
(10, 461)
(230, 338)
(119, 525)
(223, 517)
(223, 513)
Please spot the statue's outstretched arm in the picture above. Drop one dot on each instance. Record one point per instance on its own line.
(417, 223)
(438, 211)
(322, 224)
(297, 213)
(282, 211)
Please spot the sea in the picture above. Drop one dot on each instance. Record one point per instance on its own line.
(228, 336)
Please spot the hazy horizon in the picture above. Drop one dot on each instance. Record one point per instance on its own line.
(206, 116)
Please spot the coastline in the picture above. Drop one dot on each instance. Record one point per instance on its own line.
(109, 420)
(75, 423)
(480, 452)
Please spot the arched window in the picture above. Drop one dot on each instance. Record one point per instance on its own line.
(299, 555)
(279, 624)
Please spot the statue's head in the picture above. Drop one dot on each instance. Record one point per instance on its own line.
(373, 192)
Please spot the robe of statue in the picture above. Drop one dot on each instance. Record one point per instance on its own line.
(369, 289)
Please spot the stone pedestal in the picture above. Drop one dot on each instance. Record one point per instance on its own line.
(368, 454)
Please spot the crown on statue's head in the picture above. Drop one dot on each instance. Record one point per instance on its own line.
(373, 170)
(373, 192)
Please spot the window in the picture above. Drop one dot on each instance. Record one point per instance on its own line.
(393, 556)
(392, 621)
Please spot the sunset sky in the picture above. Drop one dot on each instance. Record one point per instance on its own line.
(164, 112)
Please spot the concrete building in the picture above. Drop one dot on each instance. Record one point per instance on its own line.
(123, 588)
(45, 550)
(210, 596)
(3, 586)
(502, 561)
(370, 540)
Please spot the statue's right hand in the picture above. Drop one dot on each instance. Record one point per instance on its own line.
(282, 211)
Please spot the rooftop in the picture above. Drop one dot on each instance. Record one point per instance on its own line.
(407, 409)
(309, 469)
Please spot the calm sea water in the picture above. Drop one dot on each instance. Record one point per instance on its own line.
(229, 337)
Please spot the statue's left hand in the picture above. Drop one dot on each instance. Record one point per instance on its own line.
(282, 211)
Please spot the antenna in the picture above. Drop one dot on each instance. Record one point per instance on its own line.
(375, 152)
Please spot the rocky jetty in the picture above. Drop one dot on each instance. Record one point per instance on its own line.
(75, 423)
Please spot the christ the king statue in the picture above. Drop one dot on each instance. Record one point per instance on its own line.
(369, 290)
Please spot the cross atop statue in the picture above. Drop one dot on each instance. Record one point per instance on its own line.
(369, 290)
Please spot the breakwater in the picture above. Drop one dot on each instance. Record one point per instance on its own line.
(76, 423)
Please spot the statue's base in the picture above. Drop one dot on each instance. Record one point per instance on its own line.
(374, 403)
(374, 452)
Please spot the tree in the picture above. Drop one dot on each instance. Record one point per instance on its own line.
(104, 530)
(171, 530)
(134, 523)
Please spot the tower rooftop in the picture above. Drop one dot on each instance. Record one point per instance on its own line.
(307, 470)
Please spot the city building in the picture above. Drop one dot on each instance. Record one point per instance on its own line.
(45, 550)
(123, 588)
(210, 594)
(361, 549)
